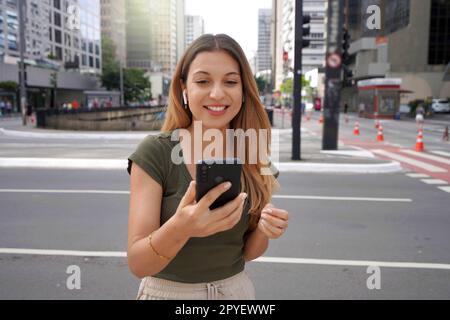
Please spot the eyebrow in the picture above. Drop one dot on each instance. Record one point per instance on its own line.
(228, 74)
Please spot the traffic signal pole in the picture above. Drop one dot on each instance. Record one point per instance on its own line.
(300, 32)
(333, 82)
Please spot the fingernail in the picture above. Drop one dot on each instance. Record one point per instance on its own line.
(267, 211)
(244, 196)
(263, 216)
(227, 185)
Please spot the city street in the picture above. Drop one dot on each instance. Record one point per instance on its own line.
(341, 224)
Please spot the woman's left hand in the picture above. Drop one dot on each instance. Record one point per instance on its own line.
(273, 222)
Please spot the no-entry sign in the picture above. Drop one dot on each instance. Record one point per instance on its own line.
(334, 60)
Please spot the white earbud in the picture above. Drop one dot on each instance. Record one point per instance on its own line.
(185, 97)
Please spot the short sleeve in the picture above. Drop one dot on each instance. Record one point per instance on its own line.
(151, 156)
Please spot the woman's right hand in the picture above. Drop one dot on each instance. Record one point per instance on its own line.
(197, 220)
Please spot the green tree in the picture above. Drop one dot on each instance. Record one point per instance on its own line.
(136, 85)
(9, 85)
(262, 84)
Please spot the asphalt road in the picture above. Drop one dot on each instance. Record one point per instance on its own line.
(412, 228)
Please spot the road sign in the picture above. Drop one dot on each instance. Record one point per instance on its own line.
(334, 60)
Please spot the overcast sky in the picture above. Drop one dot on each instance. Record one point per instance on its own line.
(237, 18)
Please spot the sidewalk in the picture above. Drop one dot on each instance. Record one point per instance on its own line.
(313, 160)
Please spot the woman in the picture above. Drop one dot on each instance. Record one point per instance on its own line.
(180, 248)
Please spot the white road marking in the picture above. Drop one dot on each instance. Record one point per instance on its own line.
(441, 153)
(298, 197)
(63, 191)
(446, 189)
(295, 197)
(426, 156)
(416, 163)
(121, 164)
(63, 163)
(331, 262)
(434, 181)
(417, 175)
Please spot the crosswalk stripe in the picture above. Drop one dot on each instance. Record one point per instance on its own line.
(426, 156)
(446, 189)
(441, 153)
(433, 181)
(417, 175)
(411, 161)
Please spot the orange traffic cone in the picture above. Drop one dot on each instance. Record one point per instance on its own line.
(380, 136)
(445, 136)
(419, 142)
(377, 124)
(321, 118)
(356, 130)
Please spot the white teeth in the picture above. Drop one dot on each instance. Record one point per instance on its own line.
(216, 108)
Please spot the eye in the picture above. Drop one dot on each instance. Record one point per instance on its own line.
(231, 82)
(201, 81)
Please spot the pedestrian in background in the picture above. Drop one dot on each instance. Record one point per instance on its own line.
(420, 111)
(2, 107)
(180, 248)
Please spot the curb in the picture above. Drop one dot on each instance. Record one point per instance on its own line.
(82, 136)
(121, 164)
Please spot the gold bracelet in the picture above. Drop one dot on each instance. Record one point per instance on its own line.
(153, 248)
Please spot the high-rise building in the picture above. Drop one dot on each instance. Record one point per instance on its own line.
(113, 26)
(138, 34)
(66, 31)
(409, 45)
(314, 54)
(283, 43)
(264, 60)
(195, 27)
(153, 34)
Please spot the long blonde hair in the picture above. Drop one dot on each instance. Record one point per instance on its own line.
(252, 115)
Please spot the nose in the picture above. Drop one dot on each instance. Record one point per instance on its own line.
(217, 92)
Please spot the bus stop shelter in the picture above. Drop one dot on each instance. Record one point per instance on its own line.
(379, 98)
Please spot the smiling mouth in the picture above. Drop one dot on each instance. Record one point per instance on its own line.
(216, 108)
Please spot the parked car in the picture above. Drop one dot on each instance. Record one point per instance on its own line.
(440, 105)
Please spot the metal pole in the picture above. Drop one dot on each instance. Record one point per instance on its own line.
(297, 112)
(333, 82)
(23, 93)
(122, 101)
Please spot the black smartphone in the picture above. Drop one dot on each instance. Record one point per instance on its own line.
(211, 173)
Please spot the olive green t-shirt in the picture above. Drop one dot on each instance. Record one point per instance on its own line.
(207, 259)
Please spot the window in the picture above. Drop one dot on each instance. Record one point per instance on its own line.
(57, 18)
(91, 62)
(58, 36)
(58, 53)
(57, 4)
(439, 35)
(91, 47)
(83, 60)
(97, 63)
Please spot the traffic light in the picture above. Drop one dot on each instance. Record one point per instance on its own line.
(345, 46)
(306, 19)
(348, 73)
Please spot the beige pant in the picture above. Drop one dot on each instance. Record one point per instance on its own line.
(237, 287)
